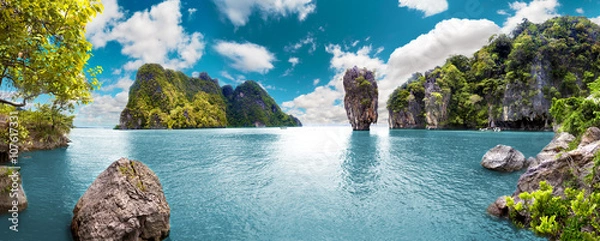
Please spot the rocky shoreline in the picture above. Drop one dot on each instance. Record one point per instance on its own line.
(557, 166)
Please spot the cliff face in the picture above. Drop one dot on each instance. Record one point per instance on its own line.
(162, 98)
(360, 100)
(509, 83)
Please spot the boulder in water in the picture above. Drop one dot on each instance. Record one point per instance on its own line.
(125, 202)
(503, 158)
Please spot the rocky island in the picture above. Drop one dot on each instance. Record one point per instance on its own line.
(509, 84)
(162, 98)
(360, 100)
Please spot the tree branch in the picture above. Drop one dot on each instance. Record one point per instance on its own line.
(3, 101)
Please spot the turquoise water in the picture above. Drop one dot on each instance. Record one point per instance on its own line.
(293, 184)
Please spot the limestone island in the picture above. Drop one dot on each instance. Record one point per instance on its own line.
(163, 98)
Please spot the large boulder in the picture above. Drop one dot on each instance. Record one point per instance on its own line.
(360, 100)
(11, 190)
(503, 158)
(125, 202)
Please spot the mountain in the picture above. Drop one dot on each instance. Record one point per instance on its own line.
(250, 105)
(163, 98)
(510, 83)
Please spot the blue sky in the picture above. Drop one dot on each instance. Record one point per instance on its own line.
(296, 49)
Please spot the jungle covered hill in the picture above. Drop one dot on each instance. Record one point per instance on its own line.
(510, 83)
(163, 98)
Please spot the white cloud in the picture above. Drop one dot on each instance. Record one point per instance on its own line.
(579, 10)
(537, 11)
(308, 41)
(191, 12)
(98, 30)
(429, 7)
(449, 37)
(123, 83)
(596, 20)
(294, 61)
(105, 110)
(316, 82)
(502, 12)
(246, 57)
(325, 104)
(355, 43)
(237, 79)
(238, 12)
(149, 36)
(195, 74)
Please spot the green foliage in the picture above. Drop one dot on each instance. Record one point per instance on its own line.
(572, 217)
(398, 101)
(560, 56)
(44, 49)
(45, 123)
(252, 106)
(163, 98)
(577, 114)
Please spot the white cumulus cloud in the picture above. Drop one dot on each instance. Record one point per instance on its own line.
(154, 35)
(239, 11)
(537, 11)
(246, 57)
(596, 20)
(429, 7)
(579, 10)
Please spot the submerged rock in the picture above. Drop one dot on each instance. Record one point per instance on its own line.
(503, 158)
(125, 202)
(360, 100)
(11, 190)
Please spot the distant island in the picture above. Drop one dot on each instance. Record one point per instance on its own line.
(508, 84)
(163, 98)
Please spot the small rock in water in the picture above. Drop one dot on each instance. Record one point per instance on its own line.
(503, 158)
(498, 208)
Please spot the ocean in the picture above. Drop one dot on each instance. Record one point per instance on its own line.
(309, 183)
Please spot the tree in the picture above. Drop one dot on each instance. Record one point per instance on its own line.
(43, 50)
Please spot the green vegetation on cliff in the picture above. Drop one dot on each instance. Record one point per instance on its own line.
(508, 83)
(250, 105)
(163, 98)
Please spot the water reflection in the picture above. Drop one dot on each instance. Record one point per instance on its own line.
(360, 168)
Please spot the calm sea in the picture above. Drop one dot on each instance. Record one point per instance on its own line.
(311, 183)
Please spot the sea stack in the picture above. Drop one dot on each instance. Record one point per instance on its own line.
(360, 99)
(125, 202)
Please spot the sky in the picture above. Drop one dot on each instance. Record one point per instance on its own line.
(297, 50)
